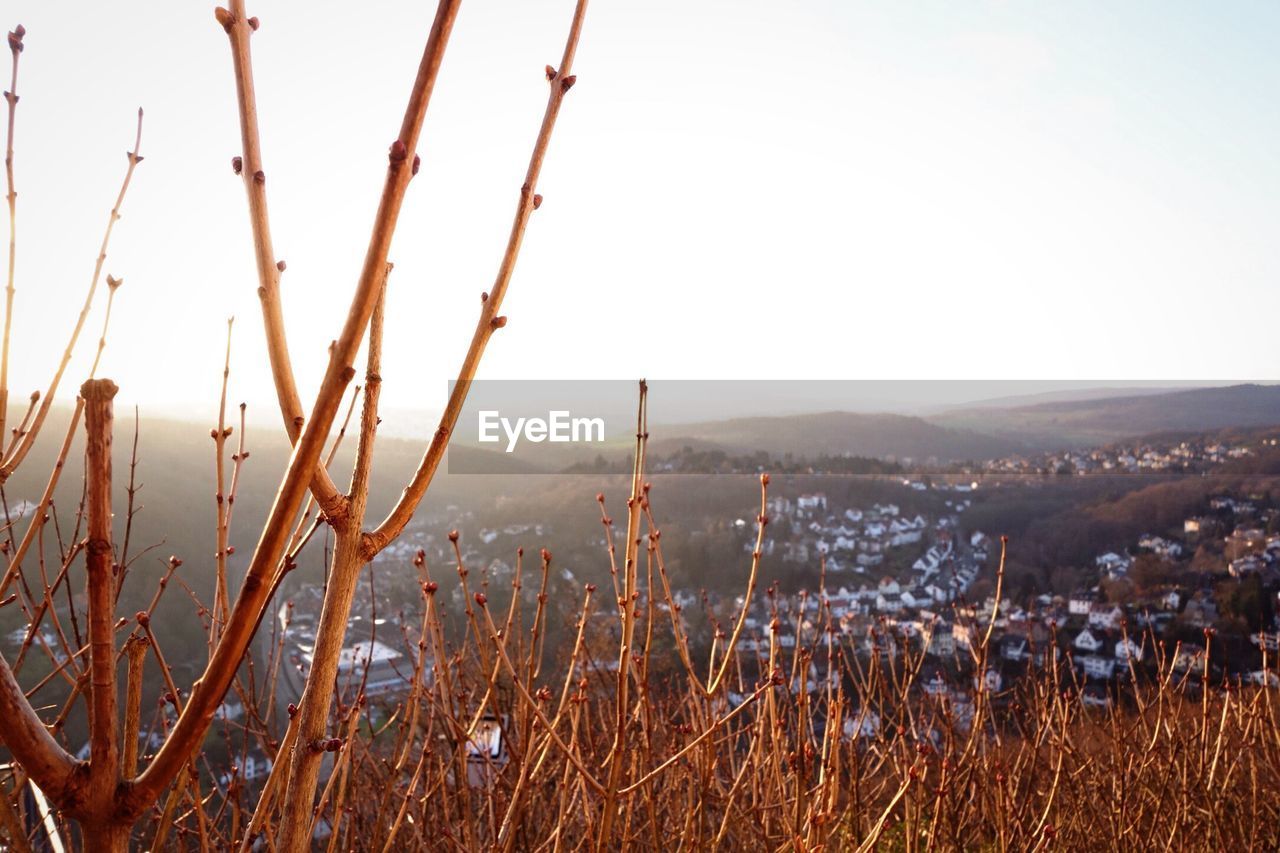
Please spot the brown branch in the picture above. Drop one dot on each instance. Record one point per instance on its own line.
(113, 284)
(249, 165)
(369, 419)
(249, 606)
(220, 433)
(136, 654)
(46, 500)
(42, 758)
(626, 607)
(21, 429)
(104, 753)
(490, 321)
(11, 97)
(317, 694)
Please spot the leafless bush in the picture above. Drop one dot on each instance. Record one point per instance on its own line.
(105, 798)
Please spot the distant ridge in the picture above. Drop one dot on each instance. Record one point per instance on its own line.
(1072, 395)
(1079, 423)
(838, 433)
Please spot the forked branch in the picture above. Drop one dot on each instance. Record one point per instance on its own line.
(249, 166)
(252, 599)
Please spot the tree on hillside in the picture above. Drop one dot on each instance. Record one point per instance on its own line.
(109, 792)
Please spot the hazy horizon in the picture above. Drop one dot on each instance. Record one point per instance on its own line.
(684, 402)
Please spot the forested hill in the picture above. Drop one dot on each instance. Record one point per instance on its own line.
(1084, 423)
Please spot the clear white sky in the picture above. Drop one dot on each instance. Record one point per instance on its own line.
(736, 189)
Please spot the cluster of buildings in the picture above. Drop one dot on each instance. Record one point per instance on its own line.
(376, 661)
(1232, 527)
(1126, 458)
(1248, 548)
(854, 540)
(895, 578)
(1104, 643)
(382, 630)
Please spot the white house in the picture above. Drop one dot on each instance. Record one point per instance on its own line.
(1188, 656)
(889, 603)
(812, 502)
(1247, 565)
(863, 723)
(255, 767)
(1264, 640)
(1263, 677)
(1080, 603)
(1128, 649)
(1014, 648)
(935, 686)
(905, 537)
(1161, 546)
(1088, 641)
(1113, 564)
(846, 543)
(1096, 666)
(1105, 616)
(992, 683)
(942, 643)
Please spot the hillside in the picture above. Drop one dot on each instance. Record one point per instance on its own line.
(840, 433)
(1081, 423)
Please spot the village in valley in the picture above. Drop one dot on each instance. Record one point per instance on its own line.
(887, 581)
(1176, 456)
(1106, 637)
(901, 566)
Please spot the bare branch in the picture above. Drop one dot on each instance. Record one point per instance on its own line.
(14, 459)
(135, 649)
(369, 419)
(104, 753)
(11, 97)
(220, 433)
